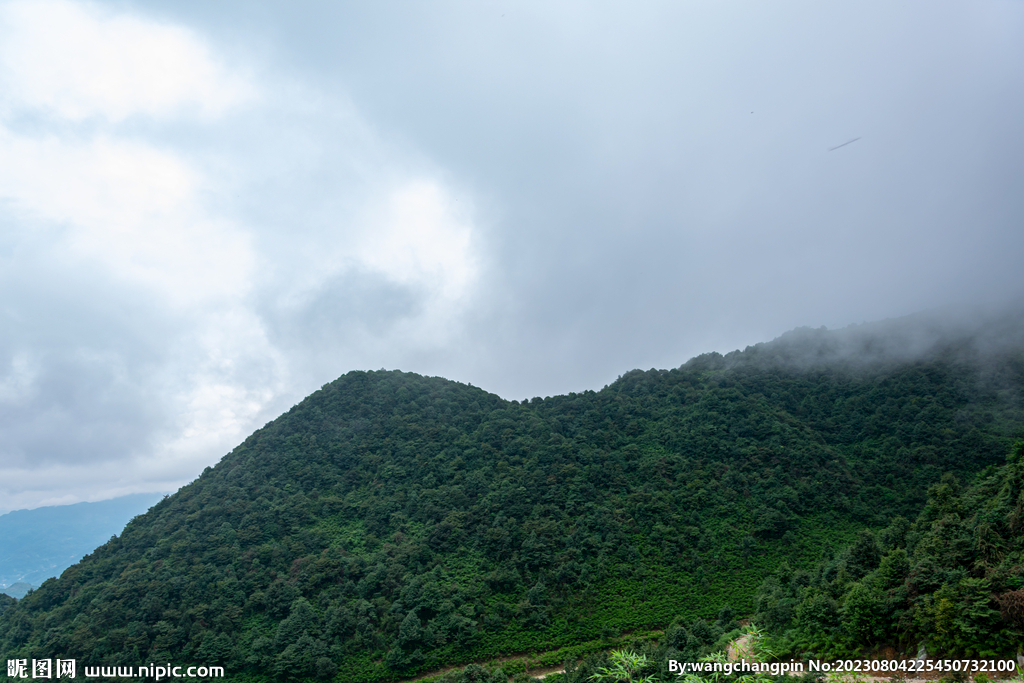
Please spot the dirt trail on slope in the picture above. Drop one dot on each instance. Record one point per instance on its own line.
(738, 648)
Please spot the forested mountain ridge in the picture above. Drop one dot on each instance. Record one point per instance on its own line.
(391, 523)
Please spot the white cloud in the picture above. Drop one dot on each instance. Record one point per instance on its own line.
(420, 236)
(144, 225)
(80, 60)
(129, 219)
(17, 384)
(423, 238)
(130, 207)
(233, 373)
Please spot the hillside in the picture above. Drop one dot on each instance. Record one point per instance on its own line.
(951, 581)
(392, 523)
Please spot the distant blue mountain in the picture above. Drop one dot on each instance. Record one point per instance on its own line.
(18, 590)
(41, 543)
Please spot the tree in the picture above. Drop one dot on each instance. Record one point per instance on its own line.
(863, 612)
(626, 668)
(410, 631)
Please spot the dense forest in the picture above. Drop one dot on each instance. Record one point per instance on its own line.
(951, 581)
(391, 523)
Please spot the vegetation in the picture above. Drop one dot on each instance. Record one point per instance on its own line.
(952, 581)
(625, 668)
(392, 524)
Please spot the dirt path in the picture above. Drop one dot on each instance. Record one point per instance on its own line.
(539, 672)
(738, 649)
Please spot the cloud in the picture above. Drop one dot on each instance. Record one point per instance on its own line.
(130, 207)
(153, 318)
(207, 210)
(422, 240)
(81, 60)
(16, 386)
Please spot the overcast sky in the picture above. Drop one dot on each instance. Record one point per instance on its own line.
(208, 210)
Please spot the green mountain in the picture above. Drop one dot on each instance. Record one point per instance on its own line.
(42, 543)
(392, 523)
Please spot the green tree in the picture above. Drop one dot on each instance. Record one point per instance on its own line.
(863, 612)
(410, 631)
(626, 667)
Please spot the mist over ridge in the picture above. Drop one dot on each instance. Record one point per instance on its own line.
(962, 333)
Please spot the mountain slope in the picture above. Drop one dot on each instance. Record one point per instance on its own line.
(952, 581)
(391, 523)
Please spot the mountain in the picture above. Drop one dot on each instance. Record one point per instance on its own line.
(17, 590)
(392, 523)
(41, 543)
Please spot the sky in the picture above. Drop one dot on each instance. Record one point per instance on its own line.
(209, 210)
